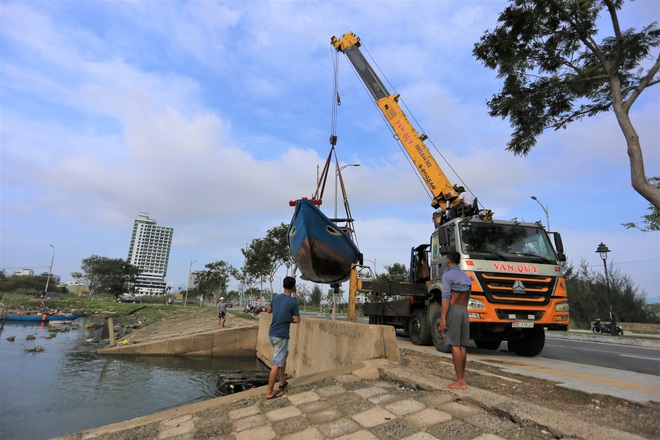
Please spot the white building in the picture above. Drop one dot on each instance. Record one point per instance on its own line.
(150, 252)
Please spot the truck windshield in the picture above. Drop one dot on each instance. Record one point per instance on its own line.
(494, 241)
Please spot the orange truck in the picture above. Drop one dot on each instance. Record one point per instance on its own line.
(518, 289)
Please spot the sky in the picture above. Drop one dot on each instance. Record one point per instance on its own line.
(211, 116)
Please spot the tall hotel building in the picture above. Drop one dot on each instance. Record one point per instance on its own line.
(150, 252)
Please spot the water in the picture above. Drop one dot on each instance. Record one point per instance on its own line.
(67, 388)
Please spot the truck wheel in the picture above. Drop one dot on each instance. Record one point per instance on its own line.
(439, 337)
(530, 343)
(487, 344)
(420, 332)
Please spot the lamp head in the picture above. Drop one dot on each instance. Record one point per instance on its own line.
(602, 250)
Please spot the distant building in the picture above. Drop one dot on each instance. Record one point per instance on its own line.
(150, 252)
(25, 272)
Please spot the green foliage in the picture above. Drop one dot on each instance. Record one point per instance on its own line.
(264, 256)
(29, 283)
(554, 71)
(651, 221)
(214, 281)
(394, 272)
(589, 298)
(316, 295)
(110, 275)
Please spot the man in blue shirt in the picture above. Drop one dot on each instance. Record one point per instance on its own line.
(285, 311)
(454, 320)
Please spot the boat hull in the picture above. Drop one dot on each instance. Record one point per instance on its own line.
(41, 318)
(322, 252)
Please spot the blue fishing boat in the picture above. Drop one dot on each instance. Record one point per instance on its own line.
(41, 317)
(322, 251)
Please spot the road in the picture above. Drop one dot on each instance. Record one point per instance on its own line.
(621, 357)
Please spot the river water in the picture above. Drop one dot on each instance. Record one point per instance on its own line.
(68, 388)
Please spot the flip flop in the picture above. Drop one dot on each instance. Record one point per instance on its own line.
(286, 384)
(280, 393)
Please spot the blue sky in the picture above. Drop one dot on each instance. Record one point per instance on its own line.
(211, 116)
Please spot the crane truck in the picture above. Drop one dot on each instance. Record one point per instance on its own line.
(518, 289)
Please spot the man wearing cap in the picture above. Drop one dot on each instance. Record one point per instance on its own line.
(464, 198)
(454, 320)
(222, 312)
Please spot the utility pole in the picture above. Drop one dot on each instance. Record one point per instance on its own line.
(50, 270)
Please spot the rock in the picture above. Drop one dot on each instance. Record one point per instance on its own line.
(11, 338)
(30, 337)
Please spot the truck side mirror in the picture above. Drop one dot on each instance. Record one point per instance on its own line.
(559, 246)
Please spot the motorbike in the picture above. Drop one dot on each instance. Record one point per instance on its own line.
(599, 327)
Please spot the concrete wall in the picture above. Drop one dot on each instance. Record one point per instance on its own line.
(318, 345)
(222, 342)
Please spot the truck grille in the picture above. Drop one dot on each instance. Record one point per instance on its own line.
(500, 288)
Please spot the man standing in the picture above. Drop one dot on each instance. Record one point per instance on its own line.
(285, 311)
(222, 312)
(454, 320)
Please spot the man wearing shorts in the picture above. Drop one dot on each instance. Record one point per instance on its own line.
(454, 320)
(285, 311)
(222, 312)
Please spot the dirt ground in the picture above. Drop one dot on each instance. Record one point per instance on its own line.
(639, 419)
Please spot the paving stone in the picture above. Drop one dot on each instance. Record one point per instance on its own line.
(359, 435)
(339, 428)
(249, 422)
(373, 417)
(404, 407)
(283, 413)
(259, 433)
(420, 436)
(331, 390)
(455, 430)
(394, 430)
(304, 397)
(383, 399)
(243, 412)
(370, 392)
(428, 417)
(311, 407)
(325, 416)
(307, 434)
(291, 425)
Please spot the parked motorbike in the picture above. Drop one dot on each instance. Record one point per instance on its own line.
(599, 327)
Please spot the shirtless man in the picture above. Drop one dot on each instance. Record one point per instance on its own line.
(454, 320)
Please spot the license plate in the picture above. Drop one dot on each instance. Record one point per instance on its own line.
(522, 324)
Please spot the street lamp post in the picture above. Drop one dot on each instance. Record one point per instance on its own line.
(50, 270)
(185, 302)
(603, 250)
(375, 267)
(336, 178)
(545, 209)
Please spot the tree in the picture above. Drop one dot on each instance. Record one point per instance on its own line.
(112, 275)
(589, 298)
(652, 220)
(316, 295)
(394, 272)
(264, 256)
(214, 281)
(556, 73)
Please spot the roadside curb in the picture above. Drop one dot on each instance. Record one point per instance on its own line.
(605, 339)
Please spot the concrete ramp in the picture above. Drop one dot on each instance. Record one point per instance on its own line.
(318, 345)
